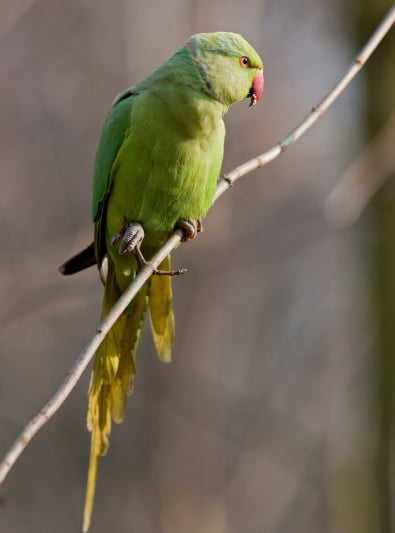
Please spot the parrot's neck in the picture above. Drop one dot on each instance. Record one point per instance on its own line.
(196, 112)
(177, 92)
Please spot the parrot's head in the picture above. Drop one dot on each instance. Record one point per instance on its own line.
(230, 68)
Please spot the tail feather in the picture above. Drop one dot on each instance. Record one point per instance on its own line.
(122, 385)
(112, 379)
(91, 485)
(84, 259)
(160, 300)
(114, 365)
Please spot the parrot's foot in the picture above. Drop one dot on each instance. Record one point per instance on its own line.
(190, 228)
(131, 235)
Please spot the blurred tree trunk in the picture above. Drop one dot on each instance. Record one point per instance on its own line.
(362, 479)
(380, 103)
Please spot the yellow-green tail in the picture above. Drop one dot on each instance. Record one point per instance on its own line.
(114, 365)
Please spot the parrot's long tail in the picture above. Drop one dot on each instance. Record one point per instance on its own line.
(114, 365)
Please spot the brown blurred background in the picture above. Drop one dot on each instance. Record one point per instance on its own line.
(276, 414)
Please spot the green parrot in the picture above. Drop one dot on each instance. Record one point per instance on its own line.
(157, 164)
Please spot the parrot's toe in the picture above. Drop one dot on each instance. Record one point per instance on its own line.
(190, 227)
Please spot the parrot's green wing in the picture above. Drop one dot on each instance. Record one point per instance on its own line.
(114, 131)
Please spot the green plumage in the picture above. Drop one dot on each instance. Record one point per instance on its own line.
(157, 162)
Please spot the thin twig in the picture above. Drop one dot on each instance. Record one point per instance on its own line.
(223, 184)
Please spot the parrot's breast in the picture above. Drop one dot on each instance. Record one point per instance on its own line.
(164, 173)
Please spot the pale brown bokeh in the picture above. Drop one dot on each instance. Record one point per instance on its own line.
(236, 435)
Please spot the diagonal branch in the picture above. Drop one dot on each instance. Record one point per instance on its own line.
(224, 183)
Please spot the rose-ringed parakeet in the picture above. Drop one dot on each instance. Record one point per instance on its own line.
(156, 168)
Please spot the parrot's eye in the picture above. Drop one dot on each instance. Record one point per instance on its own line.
(244, 61)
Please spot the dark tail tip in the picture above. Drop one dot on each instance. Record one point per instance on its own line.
(63, 269)
(84, 259)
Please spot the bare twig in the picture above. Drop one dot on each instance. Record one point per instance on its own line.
(223, 184)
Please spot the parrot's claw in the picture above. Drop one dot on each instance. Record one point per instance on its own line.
(190, 228)
(131, 235)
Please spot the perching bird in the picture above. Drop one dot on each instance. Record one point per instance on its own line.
(156, 168)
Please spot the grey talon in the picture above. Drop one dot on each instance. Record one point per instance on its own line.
(132, 238)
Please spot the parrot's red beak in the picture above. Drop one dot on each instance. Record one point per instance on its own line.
(256, 88)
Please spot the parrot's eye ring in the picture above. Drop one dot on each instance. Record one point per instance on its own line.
(244, 61)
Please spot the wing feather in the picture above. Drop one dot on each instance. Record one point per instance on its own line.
(113, 134)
